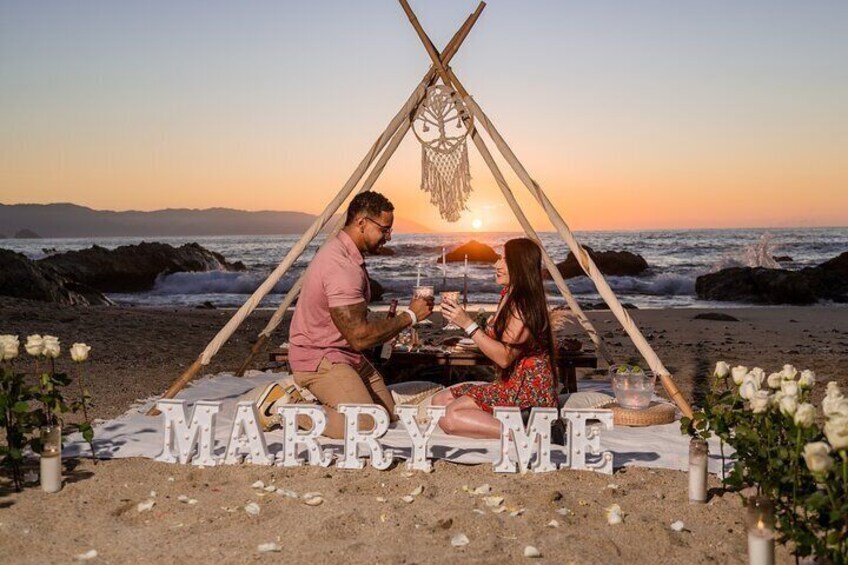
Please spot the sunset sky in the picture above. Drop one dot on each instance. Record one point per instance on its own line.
(629, 114)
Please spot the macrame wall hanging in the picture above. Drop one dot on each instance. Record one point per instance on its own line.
(440, 128)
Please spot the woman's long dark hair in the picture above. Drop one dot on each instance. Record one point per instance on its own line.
(526, 298)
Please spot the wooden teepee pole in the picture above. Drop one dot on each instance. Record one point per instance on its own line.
(582, 256)
(247, 308)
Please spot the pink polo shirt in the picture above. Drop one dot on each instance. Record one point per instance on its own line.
(335, 277)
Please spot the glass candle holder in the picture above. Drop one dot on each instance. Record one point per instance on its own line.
(51, 459)
(698, 454)
(759, 519)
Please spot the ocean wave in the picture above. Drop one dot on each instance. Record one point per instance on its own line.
(666, 284)
(216, 282)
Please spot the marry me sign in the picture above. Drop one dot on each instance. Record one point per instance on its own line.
(190, 439)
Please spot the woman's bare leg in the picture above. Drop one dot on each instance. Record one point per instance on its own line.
(464, 418)
(442, 398)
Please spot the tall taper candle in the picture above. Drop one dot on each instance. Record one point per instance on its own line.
(444, 267)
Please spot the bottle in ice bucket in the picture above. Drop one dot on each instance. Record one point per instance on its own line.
(386, 348)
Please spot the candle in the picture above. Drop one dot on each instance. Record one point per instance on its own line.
(760, 520)
(51, 472)
(465, 268)
(51, 459)
(418, 278)
(698, 452)
(760, 548)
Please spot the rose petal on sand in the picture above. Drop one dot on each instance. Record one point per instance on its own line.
(408, 474)
(192, 501)
(553, 524)
(417, 491)
(183, 498)
(380, 499)
(518, 512)
(531, 552)
(146, 506)
(408, 499)
(286, 492)
(483, 489)
(313, 498)
(268, 548)
(564, 512)
(258, 484)
(90, 554)
(152, 494)
(614, 515)
(270, 488)
(459, 540)
(252, 509)
(493, 501)
(499, 509)
(678, 526)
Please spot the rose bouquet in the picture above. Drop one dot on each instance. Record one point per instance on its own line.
(786, 449)
(34, 400)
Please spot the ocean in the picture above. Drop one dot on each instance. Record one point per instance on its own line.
(676, 259)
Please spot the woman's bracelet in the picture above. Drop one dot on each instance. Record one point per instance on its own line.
(472, 327)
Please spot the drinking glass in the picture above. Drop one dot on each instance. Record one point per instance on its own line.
(453, 296)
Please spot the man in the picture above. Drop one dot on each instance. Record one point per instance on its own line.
(330, 328)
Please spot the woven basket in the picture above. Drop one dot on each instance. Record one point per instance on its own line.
(655, 414)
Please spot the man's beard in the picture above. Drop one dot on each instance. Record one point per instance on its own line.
(376, 247)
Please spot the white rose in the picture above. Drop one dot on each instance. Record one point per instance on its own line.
(789, 388)
(79, 352)
(722, 369)
(788, 405)
(774, 380)
(832, 399)
(836, 430)
(788, 373)
(805, 415)
(807, 379)
(838, 408)
(760, 402)
(51, 347)
(34, 345)
(9, 347)
(760, 375)
(817, 459)
(738, 373)
(776, 398)
(749, 387)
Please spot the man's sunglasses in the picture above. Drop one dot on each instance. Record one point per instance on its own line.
(385, 229)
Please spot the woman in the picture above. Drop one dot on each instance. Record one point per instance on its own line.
(519, 341)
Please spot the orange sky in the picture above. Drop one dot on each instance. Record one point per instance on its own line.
(628, 118)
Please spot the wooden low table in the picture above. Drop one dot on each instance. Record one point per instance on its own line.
(569, 362)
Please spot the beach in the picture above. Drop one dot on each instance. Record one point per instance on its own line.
(137, 352)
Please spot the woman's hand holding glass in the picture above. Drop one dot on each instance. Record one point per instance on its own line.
(455, 314)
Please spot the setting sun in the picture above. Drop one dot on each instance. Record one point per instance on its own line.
(477, 223)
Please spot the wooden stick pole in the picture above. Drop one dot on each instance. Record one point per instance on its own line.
(582, 256)
(449, 51)
(247, 308)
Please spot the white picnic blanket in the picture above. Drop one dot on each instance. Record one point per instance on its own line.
(135, 435)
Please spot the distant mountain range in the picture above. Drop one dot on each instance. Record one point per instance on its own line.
(71, 220)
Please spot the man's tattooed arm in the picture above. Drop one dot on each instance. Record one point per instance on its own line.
(352, 321)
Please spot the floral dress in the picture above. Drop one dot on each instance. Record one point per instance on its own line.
(528, 382)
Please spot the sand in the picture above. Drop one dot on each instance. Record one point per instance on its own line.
(138, 352)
